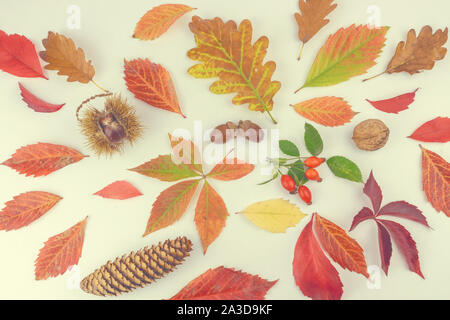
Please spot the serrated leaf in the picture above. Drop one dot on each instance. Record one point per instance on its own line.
(274, 215)
(60, 252)
(37, 104)
(436, 130)
(313, 140)
(26, 208)
(403, 209)
(373, 191)
(385, 245)
(185, 152)
(327, 111)
(42, 159)
(289, 148)
(297, 172)
(230, 169)
(344, 168)
(363, 215)
(119, 190)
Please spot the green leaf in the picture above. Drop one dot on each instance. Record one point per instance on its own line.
(271, 179)
(344, 168)
(313, 141)
(297, 172)
(289, 148)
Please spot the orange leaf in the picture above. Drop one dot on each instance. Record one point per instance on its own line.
(210, 215)
(158, 20)
(42, 159)
(230, 170)
(436, 180)
(170, 205)
(60, 252)
(225, 284)
(151, 83)
(120, 190)
(339, 245)
(327, 111)
(185, 152)
(26, 208)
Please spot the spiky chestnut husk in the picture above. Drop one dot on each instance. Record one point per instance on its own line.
(108, 130)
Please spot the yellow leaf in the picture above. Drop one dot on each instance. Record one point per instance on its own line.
(274, 215)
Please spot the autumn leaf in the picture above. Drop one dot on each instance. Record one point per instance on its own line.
(42, 159)
(347, 53)
(436, 180)
(225, 284)
(37, 104)
(396, 104)
(26, 208)
(120, 190)
(185, 152)
(327, 111)
(151, 83)
(312, 18)
(373, 191)
(230, 169)
(363, 215)
(313, 273)
(436, 130)
(210, 215)
(385, 245)
(405, 210)
(225, 51)
(18, 56)
(60, 252)
(170, 205)
(418, 53)
(158, 20)
(273, 215)
(62, 55)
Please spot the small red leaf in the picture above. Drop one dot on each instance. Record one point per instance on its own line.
(362, 215)
(396, 104)
(384, 242)
(436, 130)
(120, 190)
(18, 56)
(403, 209)
(230, 169)
(37, 104)
(373, 191)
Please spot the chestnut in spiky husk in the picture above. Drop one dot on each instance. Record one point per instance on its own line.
(108, 130)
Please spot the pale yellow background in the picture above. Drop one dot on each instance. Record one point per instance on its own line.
(116, 227)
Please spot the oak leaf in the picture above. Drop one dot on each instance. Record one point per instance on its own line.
(62, 55)
(436, 130)
(119, 190)
(60, 252)
(225, 284)
(396, 104)
(26, 208)
(37, 104)
(225, 51)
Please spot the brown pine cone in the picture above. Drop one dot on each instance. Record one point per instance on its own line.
(138, 269)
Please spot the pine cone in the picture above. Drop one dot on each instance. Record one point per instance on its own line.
(137, 269)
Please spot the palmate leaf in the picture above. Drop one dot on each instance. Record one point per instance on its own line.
(225, 51)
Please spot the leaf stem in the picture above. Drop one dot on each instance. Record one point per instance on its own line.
(374, 76)
(299, 89)
(301, 51)
(98, 86)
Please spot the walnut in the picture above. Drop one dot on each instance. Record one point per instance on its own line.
(370, 135)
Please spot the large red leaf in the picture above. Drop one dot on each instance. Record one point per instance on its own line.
(403, 209)
(151, 83)
(373, 191)
(364, 214)
(210, 215)
(339, 245)
(37, 104)
(18, 56)
(42, 159)
(436, 130)
(313, 273)
(230, 169)
(436, 180)
(26, 208)
(119, 190)
(60, 252)
(405, 243)
(396, 104)
(225, 284)
(384, 242)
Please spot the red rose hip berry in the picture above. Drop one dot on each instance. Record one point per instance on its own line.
(312, 174)
(305, 194)
(313, 162)
(288, 183)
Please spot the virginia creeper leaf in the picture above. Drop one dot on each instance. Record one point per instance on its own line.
(436, 130)
(403, 209)
(119, 190)
(396, 104)
(344, 168)
(230, 169)
(373, 191)
(385, 244)
(313, 140)
(184, 151)
(364, 214)
(289, 148)
(37, 104)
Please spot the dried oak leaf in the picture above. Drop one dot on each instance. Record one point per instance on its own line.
(62, 55)
(225, 51)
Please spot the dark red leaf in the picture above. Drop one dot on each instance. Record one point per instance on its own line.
(362, 215)
(436, 130)
(396, 104)
(37, 104)
(405, 243)
(384, 241)
(120, 190)
(373, 191)
(403, 209)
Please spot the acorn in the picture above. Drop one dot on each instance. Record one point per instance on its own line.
(108, 130)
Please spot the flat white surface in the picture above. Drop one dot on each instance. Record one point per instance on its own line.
(116, 227)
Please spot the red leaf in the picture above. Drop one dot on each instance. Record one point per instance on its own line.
(436, 130)
(120, 190)
(436, 180)
(26, 208)
(225, 284)
(18, 56)
(362, 215)
(151, 83)
(373, 191)
(37, 104)
(313, 273)
(403, 209)
(396, 104)
(60, 252)
(230, 169)
(405, 243)
(42, 159)
(384, 242)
